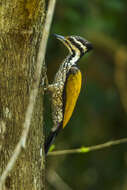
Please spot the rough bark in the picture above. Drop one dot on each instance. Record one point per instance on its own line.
(21, 23)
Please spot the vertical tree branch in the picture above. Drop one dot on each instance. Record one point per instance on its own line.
(33, 93)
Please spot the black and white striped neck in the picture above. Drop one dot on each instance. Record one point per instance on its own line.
(71, 60)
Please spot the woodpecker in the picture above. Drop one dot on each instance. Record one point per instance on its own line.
(66, 86)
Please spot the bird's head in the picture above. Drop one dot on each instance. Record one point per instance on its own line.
(76, 44)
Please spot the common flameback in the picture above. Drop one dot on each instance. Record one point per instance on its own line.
(66, 86)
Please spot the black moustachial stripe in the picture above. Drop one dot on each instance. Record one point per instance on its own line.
(73, 52)
(72, 55)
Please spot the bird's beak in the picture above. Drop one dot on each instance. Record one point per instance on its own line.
(59, 37)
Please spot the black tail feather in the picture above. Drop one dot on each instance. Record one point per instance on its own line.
(50, 140)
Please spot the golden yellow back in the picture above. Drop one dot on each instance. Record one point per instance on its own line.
(72, 90)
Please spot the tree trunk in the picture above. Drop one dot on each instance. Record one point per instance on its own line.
(21, 23)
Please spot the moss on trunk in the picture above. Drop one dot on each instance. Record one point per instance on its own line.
(21, 23)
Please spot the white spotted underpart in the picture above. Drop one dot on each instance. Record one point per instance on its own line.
(57, 94)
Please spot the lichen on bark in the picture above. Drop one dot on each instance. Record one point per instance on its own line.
(21, 24)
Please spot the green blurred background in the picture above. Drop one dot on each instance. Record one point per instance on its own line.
(101, 111)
